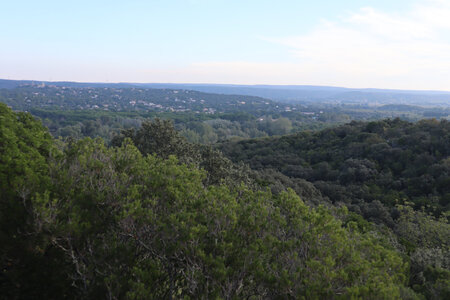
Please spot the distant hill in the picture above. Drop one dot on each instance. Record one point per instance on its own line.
(78, 97)
(11, 84)
(286, 93)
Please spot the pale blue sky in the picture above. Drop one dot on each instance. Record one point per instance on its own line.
(218, 41)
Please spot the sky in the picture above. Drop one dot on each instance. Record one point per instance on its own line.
(399, 44)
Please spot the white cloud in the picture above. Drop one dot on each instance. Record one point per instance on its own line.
(434, 13)
(373, 48)
(365, 48)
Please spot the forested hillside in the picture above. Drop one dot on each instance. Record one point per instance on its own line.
(391, 161)
(129, 99)
(80, 219)
(284, 93)
(393, 173)
(83, 110)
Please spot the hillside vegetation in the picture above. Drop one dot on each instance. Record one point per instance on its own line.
(152, 216)
(389, 161)
(392, 173)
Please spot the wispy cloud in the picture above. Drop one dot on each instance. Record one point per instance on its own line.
(374, 48)
(365, 48)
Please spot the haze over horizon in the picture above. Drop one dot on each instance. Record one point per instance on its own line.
(178, 85)
(354, 44)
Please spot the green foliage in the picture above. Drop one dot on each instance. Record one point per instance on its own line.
(160, 137)
(25, 144)
(427, 240)
(155, 217)
(372, 168)
(146, 227)
(26, 263)
(390, 161)
(202, 117)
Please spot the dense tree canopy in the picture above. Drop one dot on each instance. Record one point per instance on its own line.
(26, 267)
(392, 173)
(391, 161)
(124, 222)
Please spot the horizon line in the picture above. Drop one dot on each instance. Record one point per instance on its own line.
(228, 84)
